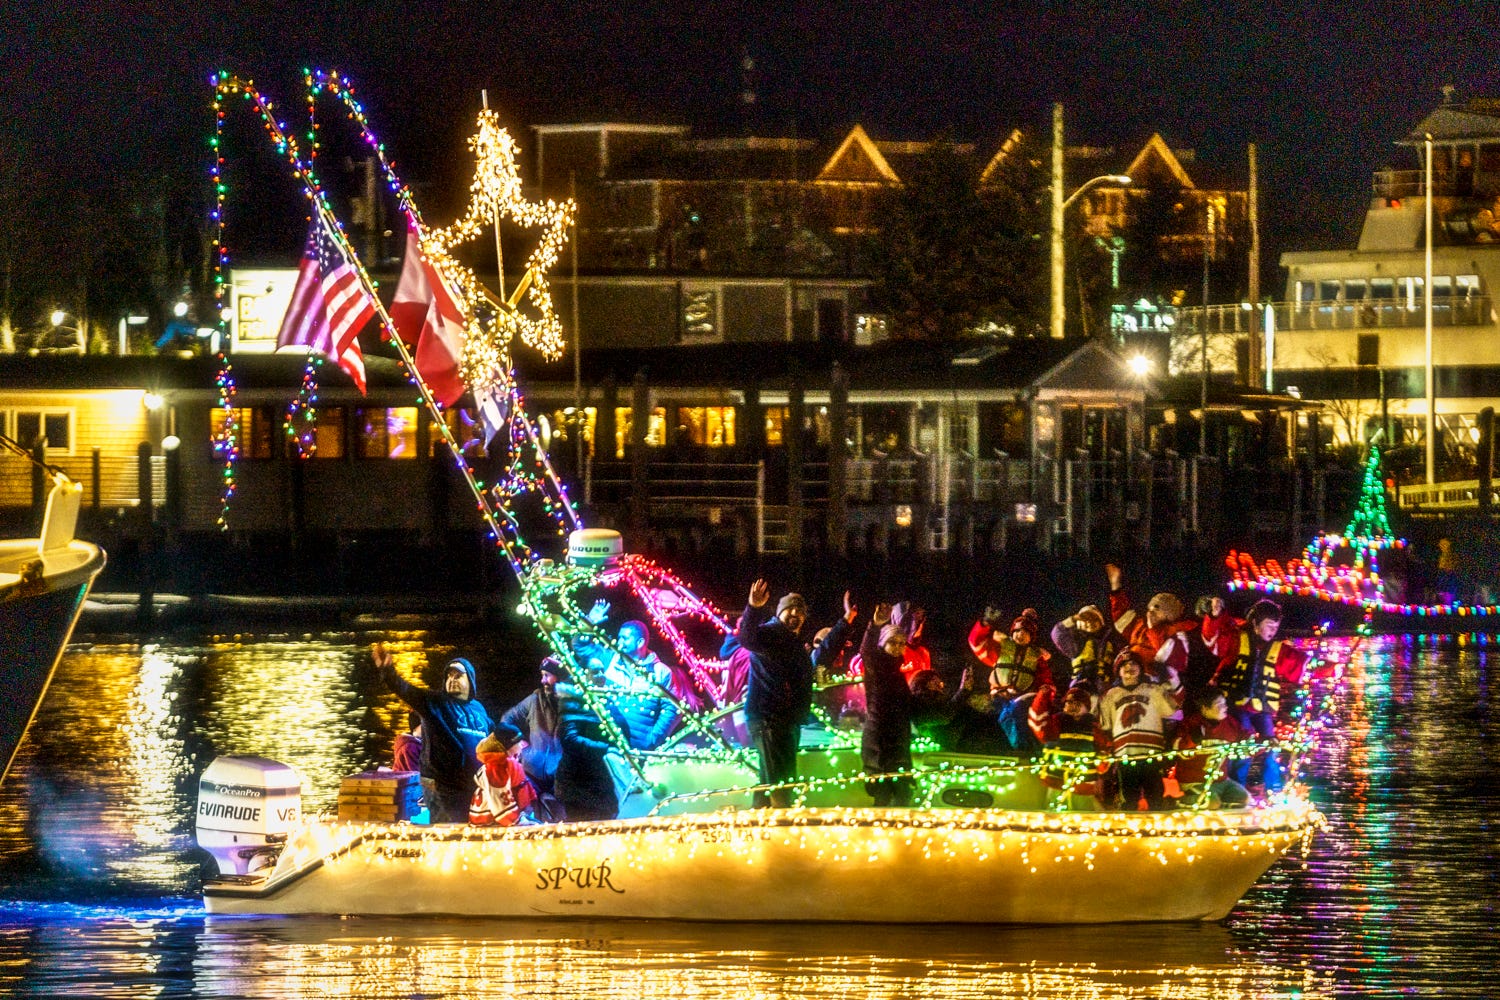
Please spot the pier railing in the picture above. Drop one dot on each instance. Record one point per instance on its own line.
(1460, 495)
(108, 481)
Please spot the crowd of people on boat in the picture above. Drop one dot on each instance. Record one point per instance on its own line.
(1130, 707)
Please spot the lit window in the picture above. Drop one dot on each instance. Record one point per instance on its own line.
(776, 420)
(465, 428)
(656, 428)
(328, 432)
(869, 329)
(711, 426)
(57, 425)
(387, 432)
(567, 422)
(255, 429)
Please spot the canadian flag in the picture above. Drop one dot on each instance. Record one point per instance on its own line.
(427, 316)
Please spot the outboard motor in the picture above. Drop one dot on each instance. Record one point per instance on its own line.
(246, 807)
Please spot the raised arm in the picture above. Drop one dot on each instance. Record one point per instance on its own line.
(756, 614)
(414, 696)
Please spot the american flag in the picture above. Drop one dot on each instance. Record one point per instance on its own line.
(329, 305)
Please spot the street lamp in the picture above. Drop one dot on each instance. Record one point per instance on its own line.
(126, 322)
(1427, 315)
(1059, 309)
(58, 317)
(1059, 206)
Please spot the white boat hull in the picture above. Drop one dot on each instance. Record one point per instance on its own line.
(37, 617)
(859, 865)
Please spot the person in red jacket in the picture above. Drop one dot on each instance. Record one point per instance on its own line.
(1258, 677)
(1209, 729)
(914, 621)
(1017, 664)
(1071, 744)
(1161, 636)
(1219, 629)
(503, 796)
(1019, 667)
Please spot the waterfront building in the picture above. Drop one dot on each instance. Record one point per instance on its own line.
(683, 239)
(736, 385)
(1350, 329)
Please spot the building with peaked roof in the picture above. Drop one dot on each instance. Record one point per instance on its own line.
(679, 234)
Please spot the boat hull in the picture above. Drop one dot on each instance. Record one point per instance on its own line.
(837, 865)
(35, 625)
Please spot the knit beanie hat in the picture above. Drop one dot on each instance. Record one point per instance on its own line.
(791, 601)
(1026, 620)
(1090, 618)
(1079, 692)
(891, 630)
(557, 668)
(504, 737)
(1130, 655)
(1168, 606)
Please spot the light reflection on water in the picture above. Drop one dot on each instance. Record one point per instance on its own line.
(114, 954)
(99, 873)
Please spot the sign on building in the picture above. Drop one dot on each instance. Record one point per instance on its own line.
(258, 300)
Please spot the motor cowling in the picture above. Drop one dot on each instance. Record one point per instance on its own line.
(246, 807)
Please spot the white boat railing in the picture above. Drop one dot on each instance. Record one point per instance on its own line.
(1460, 495)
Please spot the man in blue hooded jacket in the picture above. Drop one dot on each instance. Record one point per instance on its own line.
(453, 724)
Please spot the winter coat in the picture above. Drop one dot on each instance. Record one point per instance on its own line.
(406, 754)
(885, 743)
(1256, 673)
(536, 716)
(781, 669)
(451, 729)
(583, 785)
(1091, 654)
(638, 702)
(1197, 732)
(1023, 668)
(1134, 719)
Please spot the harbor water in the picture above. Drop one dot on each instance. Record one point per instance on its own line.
(99, 873)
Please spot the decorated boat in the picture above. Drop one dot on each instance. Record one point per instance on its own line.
(1360, 578)
(836, 863)
(43, 583)
(984, 840)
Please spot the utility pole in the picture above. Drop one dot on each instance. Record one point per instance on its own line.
(1208, 247)
(1427, 318)
(1252, 214)
(1058, 306)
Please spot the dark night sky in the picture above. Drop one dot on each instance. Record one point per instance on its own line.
(1323, 88)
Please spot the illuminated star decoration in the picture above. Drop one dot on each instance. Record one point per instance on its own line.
(492, 324)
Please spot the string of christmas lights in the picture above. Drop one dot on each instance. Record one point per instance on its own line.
(502, 528)
(1345, 568)
(549, 590)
